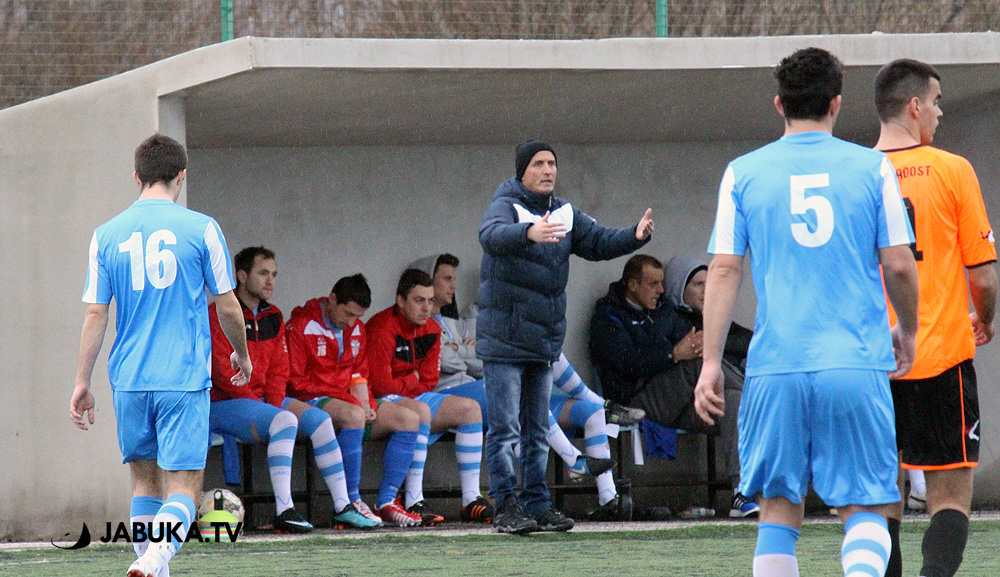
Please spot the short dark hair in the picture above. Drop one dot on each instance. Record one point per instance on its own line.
(807, 81)
(243, 261)
(354, 289)
(159, 158)
(633, 267)
(451, 309)
(900, 81)
(410, 278)
(447, 259)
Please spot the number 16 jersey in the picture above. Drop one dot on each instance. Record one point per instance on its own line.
(155, 259)
(813, 211)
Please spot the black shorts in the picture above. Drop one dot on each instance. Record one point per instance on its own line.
(937, 419)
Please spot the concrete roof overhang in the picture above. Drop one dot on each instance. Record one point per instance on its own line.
(322, 92)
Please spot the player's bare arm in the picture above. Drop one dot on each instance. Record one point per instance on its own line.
(725, 275)
(983, 286)
(95, 322)
(899, 271)
(231, 319)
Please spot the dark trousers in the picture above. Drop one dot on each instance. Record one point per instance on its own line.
(668, 399)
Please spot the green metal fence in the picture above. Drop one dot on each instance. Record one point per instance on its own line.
(50, 45)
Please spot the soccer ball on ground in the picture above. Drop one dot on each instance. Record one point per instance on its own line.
(219, 506)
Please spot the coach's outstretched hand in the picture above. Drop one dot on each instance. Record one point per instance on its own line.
(708, 399)
(81, 402)
(645, 227)
(545, 231)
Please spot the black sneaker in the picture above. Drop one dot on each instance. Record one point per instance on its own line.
(617, 509)
(428, 518)
(289, 521)
(553, 520)
(622, 416)
(478, 511)
(743, 506)
(509, 518)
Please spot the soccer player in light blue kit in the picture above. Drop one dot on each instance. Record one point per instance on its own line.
(155, 259)
(819, 215)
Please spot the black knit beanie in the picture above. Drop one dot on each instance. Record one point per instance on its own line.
(526, 151)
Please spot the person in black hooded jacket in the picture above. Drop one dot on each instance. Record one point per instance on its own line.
(685, 291)
(648, 354)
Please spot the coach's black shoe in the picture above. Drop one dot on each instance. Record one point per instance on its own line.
(509, 518)
(289, 521)
(553, 520)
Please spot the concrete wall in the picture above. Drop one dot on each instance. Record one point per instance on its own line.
(973, 130)
(65, 167)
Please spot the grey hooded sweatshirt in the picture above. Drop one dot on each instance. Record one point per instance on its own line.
(679, 271)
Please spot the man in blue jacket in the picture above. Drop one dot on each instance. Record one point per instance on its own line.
(527, 236)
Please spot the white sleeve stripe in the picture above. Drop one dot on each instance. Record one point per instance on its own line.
(896, 219)
(725, 216)
(217, 255)
(90, 292)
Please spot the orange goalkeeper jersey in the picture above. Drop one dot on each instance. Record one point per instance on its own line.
(949, 221)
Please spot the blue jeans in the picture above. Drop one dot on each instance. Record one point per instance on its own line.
(517, 407)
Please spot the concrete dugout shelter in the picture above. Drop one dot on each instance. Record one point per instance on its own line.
(362, 155)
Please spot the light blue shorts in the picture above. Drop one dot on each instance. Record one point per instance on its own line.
(169, 427)
(242, 418)
(432, 400)
(835, 428)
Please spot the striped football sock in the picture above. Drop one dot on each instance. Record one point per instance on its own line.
(177, 510)
(415, 475)
(143, 511)
(280, 444)
(395, 463)
(326, 450)
(469, 454)
(560, 444)
(350, 448)
(775, 553)
(866, 548)
(566, 379)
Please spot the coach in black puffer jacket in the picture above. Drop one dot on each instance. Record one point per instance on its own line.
(527, 236)
(522, 290)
